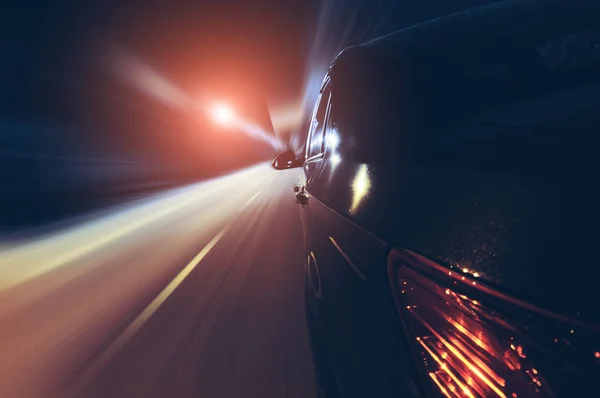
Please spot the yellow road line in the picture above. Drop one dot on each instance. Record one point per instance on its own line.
(141, 319)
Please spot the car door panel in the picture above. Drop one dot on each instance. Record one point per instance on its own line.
(355, 305)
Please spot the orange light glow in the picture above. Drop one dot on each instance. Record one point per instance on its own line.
(462, 358)
(520, 352)
(473, 368)
(478, 362)
(467, 333)
(469, 349)
(440, 386)
(223, 114)
(461, 385)
(511, 361)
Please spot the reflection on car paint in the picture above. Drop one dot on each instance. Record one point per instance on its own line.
(348, 260)
(477, 343)
(361, 185)
(333, 139)
(472, 272)
(313, 274)
(316, 143)
(335, 160)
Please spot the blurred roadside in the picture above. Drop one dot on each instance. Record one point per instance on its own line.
(48, 175)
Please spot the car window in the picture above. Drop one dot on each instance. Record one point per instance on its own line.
(315, 143)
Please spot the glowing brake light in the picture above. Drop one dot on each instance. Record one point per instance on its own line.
(472, 340)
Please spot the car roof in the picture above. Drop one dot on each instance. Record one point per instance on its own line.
(507, 23)
(514, 45)
(464, 38)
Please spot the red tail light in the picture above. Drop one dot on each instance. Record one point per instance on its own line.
(472, 340)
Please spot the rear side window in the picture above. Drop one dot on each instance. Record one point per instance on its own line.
(315, 143)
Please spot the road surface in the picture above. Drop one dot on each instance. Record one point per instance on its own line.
(194, 292)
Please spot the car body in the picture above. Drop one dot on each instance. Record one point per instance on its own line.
(452, 212)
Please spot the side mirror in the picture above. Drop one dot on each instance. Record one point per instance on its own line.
(287, 160)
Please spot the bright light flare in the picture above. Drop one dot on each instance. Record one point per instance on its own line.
(158, 87)
(332, 140)
(148, 81)
(335, 159)
(223, 114)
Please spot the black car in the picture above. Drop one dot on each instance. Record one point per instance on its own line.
(452, 215)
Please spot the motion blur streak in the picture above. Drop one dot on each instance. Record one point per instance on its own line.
(32, 259)
(348, 260)
(158, 87)
(164, 294)
(333, 32)
(170, 295)
(157, 302)
(286, 117)
(149, 81)
(254, 131)
(343, 23)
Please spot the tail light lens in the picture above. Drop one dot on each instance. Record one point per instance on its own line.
(472, 340)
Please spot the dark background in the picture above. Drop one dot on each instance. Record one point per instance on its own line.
(75, 134)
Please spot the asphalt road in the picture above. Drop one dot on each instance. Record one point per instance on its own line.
(194, 292)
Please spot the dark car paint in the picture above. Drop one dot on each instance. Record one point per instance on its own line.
(523, 230)
(489, 199)
(360, 327)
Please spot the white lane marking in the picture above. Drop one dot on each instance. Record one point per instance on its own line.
(343, 253)
(143, 317)
(139, 321)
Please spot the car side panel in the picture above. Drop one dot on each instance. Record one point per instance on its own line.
(361, 330)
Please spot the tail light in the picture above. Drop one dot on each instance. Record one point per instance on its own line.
(472, 340)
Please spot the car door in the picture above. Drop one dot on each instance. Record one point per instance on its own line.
(352, 320)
